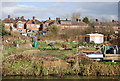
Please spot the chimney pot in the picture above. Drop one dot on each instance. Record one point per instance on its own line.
(8, 16)
(49, 18)
(113, 20)
(57, 19)
(33, 17)
(96, 20)
(78, 19)
(18, 17)
(66, 19)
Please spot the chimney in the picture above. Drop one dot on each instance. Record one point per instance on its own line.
(33, 17)
(22, 17)
(8, 16)
(113, 20)
(78, 19)
(57, 19)
(49, 18)
(66, 19)
(96, 20)
(18, 17)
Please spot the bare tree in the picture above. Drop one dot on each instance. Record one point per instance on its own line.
(75, 15)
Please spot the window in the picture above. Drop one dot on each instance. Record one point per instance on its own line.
(28, 25)
(32, 25)
(20, 25)
(7, 29)
(20, 30)
(38, 26)
(33, 31)
(7, 24)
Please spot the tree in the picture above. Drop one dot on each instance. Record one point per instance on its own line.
(71, 33)
(86, 20)
(53, 30)
(75, 16)
(2, 30)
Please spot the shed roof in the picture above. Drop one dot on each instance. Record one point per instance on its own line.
(95, 34)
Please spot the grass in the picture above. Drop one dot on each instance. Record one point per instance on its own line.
(18, 64)
(6, 55)
(41, 48)
(52, 52)
(34, 66)
(42, 44)
(110, 63)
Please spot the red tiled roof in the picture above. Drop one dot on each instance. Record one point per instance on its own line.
(31, 22)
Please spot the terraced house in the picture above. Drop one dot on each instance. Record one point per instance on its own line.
(20, 24)
(9, 23)
(73, 24)
(99, 26)
(33, 25)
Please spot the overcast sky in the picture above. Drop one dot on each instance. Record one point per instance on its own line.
(43, 10)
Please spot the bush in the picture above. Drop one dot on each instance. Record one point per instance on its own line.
(3, 31)
(53, 30)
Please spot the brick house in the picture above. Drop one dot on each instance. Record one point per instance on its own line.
(99, 26)
(20, 24)
(115, 26)
(73, 24)
(9, 23)
(33, 25)
(48, 23)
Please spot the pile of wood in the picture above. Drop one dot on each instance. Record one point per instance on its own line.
(112, 57)
(80, 58)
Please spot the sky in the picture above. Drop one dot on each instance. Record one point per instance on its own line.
(43, 10)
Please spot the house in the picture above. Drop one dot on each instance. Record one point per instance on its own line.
(79, 24)
(33, 25)
(65, 22)
(9, 23)
(73, 24)
(20, 24)
(47, 23)
(96, 24)
(99, 26)
(115, 25)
